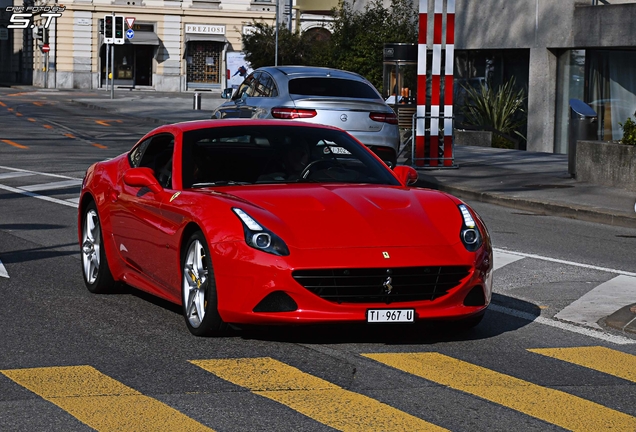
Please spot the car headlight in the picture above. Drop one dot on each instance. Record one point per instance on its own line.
(469, 234)
(259, 237)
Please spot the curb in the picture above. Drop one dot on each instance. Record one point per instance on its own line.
(587, 214)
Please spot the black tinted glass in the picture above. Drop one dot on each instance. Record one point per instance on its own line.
(277, 154)
(332, 87)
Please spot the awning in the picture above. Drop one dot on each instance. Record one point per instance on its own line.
(144, 38)
(205, 37)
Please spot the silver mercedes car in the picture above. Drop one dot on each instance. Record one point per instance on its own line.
(317, 95)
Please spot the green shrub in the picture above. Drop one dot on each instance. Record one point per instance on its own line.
(500, 111)
(629, 131)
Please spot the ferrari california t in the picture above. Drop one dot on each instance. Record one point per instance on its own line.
(272, 222)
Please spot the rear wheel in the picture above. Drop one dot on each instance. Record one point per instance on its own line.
(97, 275)
(198, 287)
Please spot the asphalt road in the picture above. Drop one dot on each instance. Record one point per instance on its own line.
(70, 360)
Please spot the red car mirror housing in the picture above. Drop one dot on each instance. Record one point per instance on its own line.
(142, 177)
(406, 174)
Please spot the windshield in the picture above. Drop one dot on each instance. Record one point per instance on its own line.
(277, 154)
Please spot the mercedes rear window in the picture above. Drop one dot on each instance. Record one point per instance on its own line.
(333, 87)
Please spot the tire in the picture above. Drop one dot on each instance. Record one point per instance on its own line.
(95, 269)
(198, 289)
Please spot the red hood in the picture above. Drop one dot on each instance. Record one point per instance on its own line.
(322, 216)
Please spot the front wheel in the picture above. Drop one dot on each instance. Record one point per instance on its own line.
(198, 287)
(97, 275)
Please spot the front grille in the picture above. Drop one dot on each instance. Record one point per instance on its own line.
(371, 285)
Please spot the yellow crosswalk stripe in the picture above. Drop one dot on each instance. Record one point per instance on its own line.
(553, 406)
(602, 359)
(100, 401)
(314, 397)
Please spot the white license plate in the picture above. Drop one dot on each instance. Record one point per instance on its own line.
(390, 315)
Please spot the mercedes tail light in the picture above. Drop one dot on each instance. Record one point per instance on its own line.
(381, 117)
(292, 113)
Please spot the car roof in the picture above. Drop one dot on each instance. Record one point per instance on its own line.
(205, 124)
(312, 71)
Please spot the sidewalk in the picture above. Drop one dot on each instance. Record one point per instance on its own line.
(529, 181)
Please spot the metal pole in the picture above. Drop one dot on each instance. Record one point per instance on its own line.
(107, 66)
(46, 69)
(276, 48)
(289, 23)
(112, 64)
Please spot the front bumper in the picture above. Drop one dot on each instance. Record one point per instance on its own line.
(242, 283)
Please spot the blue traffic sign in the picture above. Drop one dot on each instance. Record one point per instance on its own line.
(130, 33)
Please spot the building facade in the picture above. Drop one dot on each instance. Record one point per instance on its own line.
(557, 50)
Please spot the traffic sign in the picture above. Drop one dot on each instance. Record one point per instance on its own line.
(45, 48)
(130, 21)
(130, 33)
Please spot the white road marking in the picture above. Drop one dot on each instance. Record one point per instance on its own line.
(600, 302)
(14, 174)
(74, 200)
(3, 271)
(502, 259)
(572, 263)
(38, 173)
(52, 185)
(596, 334)
(34, 195)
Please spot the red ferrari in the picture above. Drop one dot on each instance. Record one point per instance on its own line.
(272, 222)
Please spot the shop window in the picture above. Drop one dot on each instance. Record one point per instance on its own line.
(611, 89)
(204, 62)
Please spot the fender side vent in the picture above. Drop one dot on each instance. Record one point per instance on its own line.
(278, 301)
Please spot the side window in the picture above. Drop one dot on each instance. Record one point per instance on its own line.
(245, 89)
(134, 157)
(158, 157)
(265, 85)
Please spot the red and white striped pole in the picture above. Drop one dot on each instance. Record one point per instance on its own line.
(436, 76)
(441, 97)
(449, 72)
(420, 122)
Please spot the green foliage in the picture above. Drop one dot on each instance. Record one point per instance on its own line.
(500, 111)
(260, 46)
(629, 131)
(356, 44)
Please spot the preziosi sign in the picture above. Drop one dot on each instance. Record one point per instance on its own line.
(205, 29)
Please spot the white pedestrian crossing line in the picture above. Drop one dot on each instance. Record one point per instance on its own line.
(3, 271)
(41, 197)
(15, 174)
(52, 185)
(600, 302)
(596, 334)
(36, 172)
(502, 259)
(560, 261)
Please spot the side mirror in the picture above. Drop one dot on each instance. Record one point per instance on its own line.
(227, 93)
(142, 177)
(406, 174)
